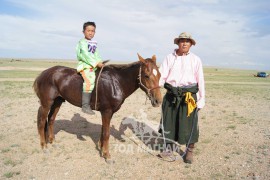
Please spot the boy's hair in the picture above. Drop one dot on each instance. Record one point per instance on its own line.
(88, 24)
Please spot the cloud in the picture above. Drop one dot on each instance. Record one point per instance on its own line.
(225, 32)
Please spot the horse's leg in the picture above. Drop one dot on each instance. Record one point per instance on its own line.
(106, 119)
(51, 117)
(100, 142)
(42, 124)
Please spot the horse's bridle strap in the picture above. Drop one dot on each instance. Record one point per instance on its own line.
(146, 88)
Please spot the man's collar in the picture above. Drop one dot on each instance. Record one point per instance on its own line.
(175, 54)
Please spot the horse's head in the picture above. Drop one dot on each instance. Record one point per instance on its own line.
(149, 79)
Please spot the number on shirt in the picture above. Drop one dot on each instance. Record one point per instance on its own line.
(91, 48)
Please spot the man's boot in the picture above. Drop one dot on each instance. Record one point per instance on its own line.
(188, 158)
(86, 97)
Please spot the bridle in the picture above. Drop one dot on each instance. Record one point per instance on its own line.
(149, 95)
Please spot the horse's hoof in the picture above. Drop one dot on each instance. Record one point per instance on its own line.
(43, 145)
(51, 140)
(109, 161)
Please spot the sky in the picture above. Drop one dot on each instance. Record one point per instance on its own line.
(230, 34)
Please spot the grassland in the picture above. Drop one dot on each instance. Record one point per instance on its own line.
(234, 132)
(28, 63)
(12, 68)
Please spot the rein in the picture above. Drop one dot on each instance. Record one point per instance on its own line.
(149, 95)
(97, 86)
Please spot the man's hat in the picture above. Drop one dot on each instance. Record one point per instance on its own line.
(184, 35)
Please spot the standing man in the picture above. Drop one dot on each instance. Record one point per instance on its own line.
(182, 76)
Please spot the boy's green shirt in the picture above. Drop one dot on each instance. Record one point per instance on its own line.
(88, 57)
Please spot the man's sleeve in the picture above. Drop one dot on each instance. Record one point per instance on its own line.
(201, 84)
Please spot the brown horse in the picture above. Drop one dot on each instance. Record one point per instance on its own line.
(57, 84)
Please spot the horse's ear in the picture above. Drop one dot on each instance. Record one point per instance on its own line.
(154, 58)
(141, 59)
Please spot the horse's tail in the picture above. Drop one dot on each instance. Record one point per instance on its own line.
(35, 86)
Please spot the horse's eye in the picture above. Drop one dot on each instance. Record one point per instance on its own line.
(146, 76)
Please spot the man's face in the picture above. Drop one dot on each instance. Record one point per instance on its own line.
(89, 32)
(184, 45)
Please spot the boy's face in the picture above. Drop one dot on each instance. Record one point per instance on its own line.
(89, 32)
